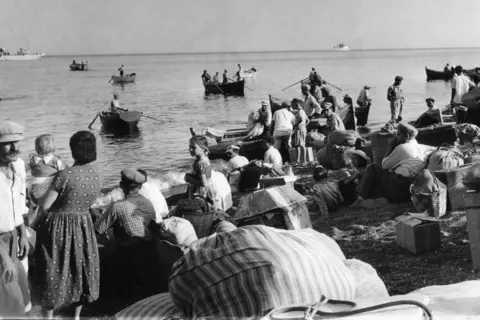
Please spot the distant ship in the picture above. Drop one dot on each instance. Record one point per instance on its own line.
(341, 47)
(20, 55)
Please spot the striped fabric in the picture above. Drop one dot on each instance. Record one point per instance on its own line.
(248, 271)
(158, 307)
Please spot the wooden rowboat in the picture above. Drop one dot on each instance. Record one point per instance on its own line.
(233, 88)
(446, 76)
(122, 122)
(125, 79)
(78, 67)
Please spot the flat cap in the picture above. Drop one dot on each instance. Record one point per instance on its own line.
(429, 99)
(10, 131)
(327, 105)
(133, 175)
(398, 78)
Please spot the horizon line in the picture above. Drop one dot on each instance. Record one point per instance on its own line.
(243, 52)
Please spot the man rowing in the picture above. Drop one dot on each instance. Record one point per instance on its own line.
(215, 78)
(121, 70)
(115, 105)
(206, 77)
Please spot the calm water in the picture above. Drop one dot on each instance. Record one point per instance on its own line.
(48, 98)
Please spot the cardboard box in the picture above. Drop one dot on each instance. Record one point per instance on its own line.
(452, 178)
(417, 233)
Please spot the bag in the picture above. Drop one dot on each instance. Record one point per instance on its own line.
(445, 158)
(429, 194)
(315, 140)
(342, 138)
(248, 271)
(198, 212)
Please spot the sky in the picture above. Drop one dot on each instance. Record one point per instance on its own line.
(185, 26)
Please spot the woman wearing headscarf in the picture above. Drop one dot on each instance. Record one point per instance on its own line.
(67, 252)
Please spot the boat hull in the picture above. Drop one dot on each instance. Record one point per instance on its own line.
(121, 123)
(433, 75)
(125, 79)
(78, 67)
(232, 88)
(346, 48)
(14, 57)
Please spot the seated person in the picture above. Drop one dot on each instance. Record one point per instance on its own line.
(327, 195)
(404, 159)
(272, 156)
(255, 127)
(348, 186)
(235, 163)
(333, 120)
(430, 117)
(130, 219)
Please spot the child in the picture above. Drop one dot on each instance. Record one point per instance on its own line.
(326, 194)
(44, 166)
(348, 186)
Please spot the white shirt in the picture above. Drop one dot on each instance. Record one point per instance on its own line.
(408, 159)
(13, 196)
(273, 156)
(461, 84)
(311, 105)
(363, 96)
(284, 121)
(152, 193)
(236, 162)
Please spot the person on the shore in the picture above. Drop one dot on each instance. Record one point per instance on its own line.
(44, 166)
(265, 115)
(311, 76)
(67, 251)
(311, 105)
(432, 116)
(326, 194)
(130, 219)
(395, 96)
(461, 84)
(328, 97)
(225, 77)
(347, 113)
(206, 77)
(333, 120)
(115, 104)
(348, 186)
(13, 236)
(216, 78)
(236, 161)
(391, 181)
(447, 68)
(300, 129)
(363, 99)
(11, 298)
(121, 70)
(282, 122)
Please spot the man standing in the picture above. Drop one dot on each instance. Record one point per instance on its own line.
(311, 105)
(461, 84)
(447, 68)
(328, 97)
(13, 237)
(395, 96)
(121, 70)
(283, 121)
(225, 77)
(215, 78)
(363, 99)
(115, 105)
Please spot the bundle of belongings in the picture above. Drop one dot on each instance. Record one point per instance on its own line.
(334, 155)
(467, 132)
(445, 157)
(429, 194)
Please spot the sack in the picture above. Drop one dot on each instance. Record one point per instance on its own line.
(198, 212)
(429, 194)
(315, 140)
(247, 272)
(445, 158)
(342, 138)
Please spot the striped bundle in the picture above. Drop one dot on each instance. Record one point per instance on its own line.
(248, 271)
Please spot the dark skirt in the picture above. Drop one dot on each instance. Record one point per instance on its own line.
(67, 254)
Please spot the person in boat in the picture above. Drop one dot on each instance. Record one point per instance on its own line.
(115, 105)
(334, 122)
(312, 107)
(447, 68)
(225, 77)
(236, 161)
(83, 66)
(206, 77)
(363, 99)
(347, 113)
(328, 97)
(129, 219)
(432, 116)
(121, 70)
(216, 78)
(311, 76)
(461, 84)
(404, 159)
(395, 96)
(74, 63)
(237, 74)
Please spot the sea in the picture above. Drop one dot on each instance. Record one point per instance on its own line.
(45, 97)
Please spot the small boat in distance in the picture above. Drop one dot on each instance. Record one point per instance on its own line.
(79, 66)
(120, 122)
(20, 55)
(341, 47)
(125, 79)
(233, 88)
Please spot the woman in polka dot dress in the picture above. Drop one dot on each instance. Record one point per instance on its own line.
(67, 253)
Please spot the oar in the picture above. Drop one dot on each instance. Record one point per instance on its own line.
(333, 86)
(244, 85)
(218, 87)
(295, 84)
(143, 114)
(94, 119)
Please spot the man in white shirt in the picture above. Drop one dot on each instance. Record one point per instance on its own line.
(311, 105)
(272, 156)
(236, 161)
(13, 237)
(363, 99)
(460, 85)
(283, 121)
(403, 161)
